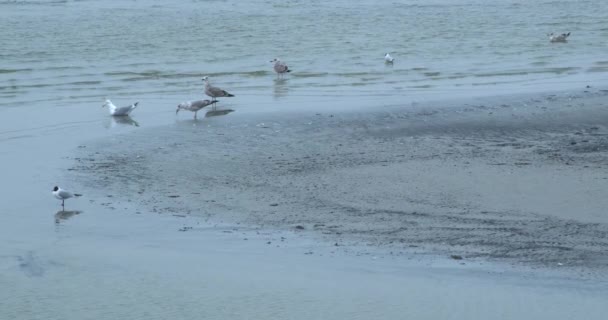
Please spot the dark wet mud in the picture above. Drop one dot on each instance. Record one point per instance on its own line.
(521, 181)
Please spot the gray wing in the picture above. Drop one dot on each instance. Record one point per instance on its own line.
(199, 104)
(125, 110)
(216, 92)
(280, 67)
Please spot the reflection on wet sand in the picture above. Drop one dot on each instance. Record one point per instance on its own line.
(122, 120)
(280, 88)
(215, 113)
(63, 215)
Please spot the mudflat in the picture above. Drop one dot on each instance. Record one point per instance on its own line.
(520, 180)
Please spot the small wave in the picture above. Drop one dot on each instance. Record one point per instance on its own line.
(432, 74)
(154, 74)
(84, 82)
(355, 74)
(62, 68)
(35, 86)
(30, 2)
(525, 72)
(311, 74)
(259, 73)
(14, 70)
(598, 69)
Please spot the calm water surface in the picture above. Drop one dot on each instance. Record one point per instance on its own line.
(72, 52)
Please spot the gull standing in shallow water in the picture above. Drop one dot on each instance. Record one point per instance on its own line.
(280, 67)
(193, 106)
(559, 38)
(388, 58)
(122, 111)
(63, 195)
(214, 92)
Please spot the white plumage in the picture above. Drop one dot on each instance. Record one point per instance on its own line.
(388, 58)
(116, 111)
(559, 38)
(62, 195)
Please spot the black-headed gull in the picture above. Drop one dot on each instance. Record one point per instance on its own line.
(63, 195)
(388, 58)
(122, 111)
(558, 38)
(215, 92)
(280, 67)
(193, 106)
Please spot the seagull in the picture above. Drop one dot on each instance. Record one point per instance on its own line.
(193, 106)
(63, 195)
(214, 92)
(280, 67)
(115, 111)
(388, 58)
(558, 38)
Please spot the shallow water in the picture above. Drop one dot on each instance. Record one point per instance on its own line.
(104, 264)
(60, 58)
(72, 52)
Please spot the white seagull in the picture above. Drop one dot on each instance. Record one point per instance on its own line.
(280, 67)
(215, 92)
(122, 111)
(388, 58)
(558, 38)
(193, 106)
(63, 195)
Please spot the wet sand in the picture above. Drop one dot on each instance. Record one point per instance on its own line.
(486, 208)
(514, 180)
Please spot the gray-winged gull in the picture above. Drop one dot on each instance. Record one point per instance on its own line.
(122, 111)
(193, 106)
(215, 92)
(280, 67)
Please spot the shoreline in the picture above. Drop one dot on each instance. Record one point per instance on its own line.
(149, 238)
(328, 173)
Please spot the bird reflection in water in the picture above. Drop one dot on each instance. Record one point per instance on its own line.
(220, 112)
(280, 88)
(122, 120)
(63, 215)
